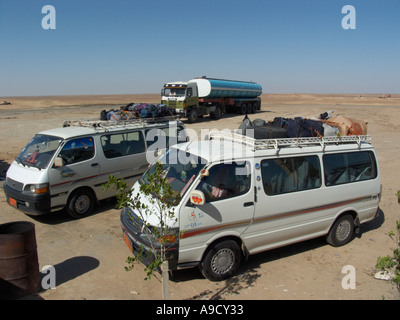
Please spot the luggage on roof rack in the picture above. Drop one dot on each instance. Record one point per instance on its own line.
(299, 127)
(260, 144)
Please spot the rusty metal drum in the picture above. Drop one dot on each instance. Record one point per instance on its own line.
(19, 265)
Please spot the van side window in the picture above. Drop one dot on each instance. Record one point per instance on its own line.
(349, 167)
(77, 150)
(283, 175)
(226, 181)
(122, 144)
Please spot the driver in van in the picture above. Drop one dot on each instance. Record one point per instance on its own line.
(216, 184)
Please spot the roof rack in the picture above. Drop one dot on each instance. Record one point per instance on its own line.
(261, 144)
(105, 125)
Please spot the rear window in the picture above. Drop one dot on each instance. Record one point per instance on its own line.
(350, 167)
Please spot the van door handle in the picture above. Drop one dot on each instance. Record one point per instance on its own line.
(94, 164)
(248, 204)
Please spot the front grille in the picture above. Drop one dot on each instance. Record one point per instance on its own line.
(172, 104)
(14, 184)
(131, 220)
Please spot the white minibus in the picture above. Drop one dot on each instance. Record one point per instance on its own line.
(241, 196)
(66, 167)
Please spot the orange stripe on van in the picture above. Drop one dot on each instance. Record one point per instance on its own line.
(196, 232)
(77, 180)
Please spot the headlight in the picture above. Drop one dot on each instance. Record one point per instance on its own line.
(156, 238)
(37, 188)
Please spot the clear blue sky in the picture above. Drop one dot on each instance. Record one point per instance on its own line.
(129, 46)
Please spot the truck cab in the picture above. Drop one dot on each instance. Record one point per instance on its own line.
(183, 98)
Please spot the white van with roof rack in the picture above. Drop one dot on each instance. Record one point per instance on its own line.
(66, 167)
(241, 196)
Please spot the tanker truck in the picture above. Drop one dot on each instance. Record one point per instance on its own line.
(208, 96)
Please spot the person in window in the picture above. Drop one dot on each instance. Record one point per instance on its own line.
(217, 184)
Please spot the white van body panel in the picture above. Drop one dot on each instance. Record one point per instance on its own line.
(26, 175)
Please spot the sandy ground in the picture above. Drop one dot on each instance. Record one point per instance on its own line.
(89, 254)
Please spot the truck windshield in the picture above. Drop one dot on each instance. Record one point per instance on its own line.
(180, 168)
(39, 151)
(174, 92)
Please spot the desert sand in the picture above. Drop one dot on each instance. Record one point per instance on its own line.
(89, 254)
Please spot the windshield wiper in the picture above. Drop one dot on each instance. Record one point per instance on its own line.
(19, 161)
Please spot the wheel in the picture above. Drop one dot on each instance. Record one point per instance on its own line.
(342, 231)
(243, 108)
(249, 108)
(254, 108)
(221, 261)
(80, 203)
(193, 115)
(217, 113)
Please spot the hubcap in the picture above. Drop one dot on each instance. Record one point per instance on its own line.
(223, 261)
(82, 204)
(343, 230)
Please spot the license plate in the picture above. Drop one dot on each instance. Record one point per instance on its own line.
(12, 202)
(127, 242)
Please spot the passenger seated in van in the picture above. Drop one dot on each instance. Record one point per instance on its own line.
(217, 183)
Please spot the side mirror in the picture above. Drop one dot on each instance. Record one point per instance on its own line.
(197, 198)
(204, 173)
(158, 153)
(59, 162)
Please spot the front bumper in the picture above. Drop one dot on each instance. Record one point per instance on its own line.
(27, 202)
(140, 246)
(180, 112)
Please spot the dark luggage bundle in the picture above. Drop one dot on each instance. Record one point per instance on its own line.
(260, 129)
(159, 110)
(299, 127)
(137, 110)
(281, 128)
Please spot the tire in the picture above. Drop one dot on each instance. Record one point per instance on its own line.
(80, 203)
(193, 115)
(249, 108)
(221, 261)
(217, 113)
(243, 108)
(342, 231)
(254, 108)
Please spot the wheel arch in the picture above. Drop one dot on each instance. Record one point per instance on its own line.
(80, 188)
(221, 238)
(354, 214)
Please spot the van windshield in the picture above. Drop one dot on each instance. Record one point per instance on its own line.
(39, 151)
(180, 168)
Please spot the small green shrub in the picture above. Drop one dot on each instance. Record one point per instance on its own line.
(392, 263)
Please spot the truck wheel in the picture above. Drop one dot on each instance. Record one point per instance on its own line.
(80, 203)
(243, 108)
(342, 231)
(221, 261)
(217, 113)
(193, 115)
(254, 108)
(249, 108)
